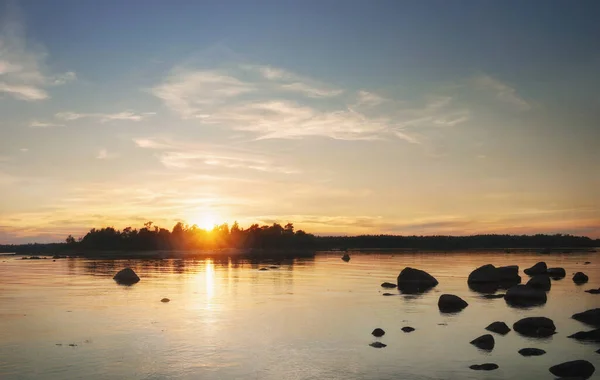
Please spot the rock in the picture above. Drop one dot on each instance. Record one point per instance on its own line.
(587, 263)
(593, 291)
(388, 294)
(531, 352)
(449, 303)
(408, 329)
(264, 268)
(499, 328)
(556, 273)
(490, 274)
(575, 368)
(484, 367)
(273, 267)
(525, 296)
(72, 345)
(378, 345)
(539, 268)
(588, 336)
(388, 285)
(540, 281)
(415, 281)
(580, 278)
(165, 300)
(493, 296)
(126, 277)
(484, 342)
(598, 351)
(378, 332)
(590, 317)
(535, 327)
(346, 257)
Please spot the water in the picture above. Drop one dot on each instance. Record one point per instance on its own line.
(308, 319)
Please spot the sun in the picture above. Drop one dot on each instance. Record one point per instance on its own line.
(206, 221)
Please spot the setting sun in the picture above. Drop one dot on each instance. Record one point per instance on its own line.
(205, 221)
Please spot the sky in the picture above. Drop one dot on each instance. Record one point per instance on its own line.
(343, 117)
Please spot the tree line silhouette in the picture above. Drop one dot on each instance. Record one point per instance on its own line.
(285, 238)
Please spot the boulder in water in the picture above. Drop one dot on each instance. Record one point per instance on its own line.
(126, 277)
(408, 329)
(378, 332)
(165, 300)
(412, 280)
(484, 367)
(540, 281)
(484, 342)
(531, 352)
(556, 273)
(539, 268)
(580, 278)
(488, 278)
(574, 369)
(499, 328)
(378, 345)
(449, 303)
(535, 327)
(525, 296)
(346, 257)
(587, 336)
(388, 285)
(590, 317)
(593, 291)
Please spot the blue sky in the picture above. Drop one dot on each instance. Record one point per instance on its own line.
(342, 116)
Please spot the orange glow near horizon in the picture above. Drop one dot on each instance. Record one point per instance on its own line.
(204, 220)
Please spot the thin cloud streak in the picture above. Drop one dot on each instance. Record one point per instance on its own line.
(105, 117)
(503, 92)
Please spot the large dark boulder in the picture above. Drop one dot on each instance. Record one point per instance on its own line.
(484, 367)
(484, 342)
(412, 281)
(494, 278)
(378, 332)
(535, 327)
(126, 277)
(539, 268)
(531, 352)
(556, 273)
(574, 369)
(388, 285)
(525, 296)
(580, 278)
(590, 317)
(587, 336)
(540, 281)
(499, 328)
(449, 303)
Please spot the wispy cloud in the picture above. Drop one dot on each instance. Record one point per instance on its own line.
(104, 154)
(105, 117)
(366, 98)
(41, 124)
(23, 75)
(178, 155)
(503, 91)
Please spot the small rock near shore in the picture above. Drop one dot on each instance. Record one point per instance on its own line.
(580, 278)
(499, 328)
(484, 342)
(378, 332)
(484, 367)
(126, 277)
(378, 345)
(531, 352)
(574, 369)
(408, 329)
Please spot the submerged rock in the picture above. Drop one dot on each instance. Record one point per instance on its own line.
(388, 285)
(378, 345)
(580, 278)
(540, 281)
(493, 296)
(535, 327)
(484, 342)
(484, 367)
(575, 368)
(499, 328)
(539, 268)
(593, 291)
(126, 277)
(587, 336)
(525, 296)
(388, 294)
(449, 303)
(412, 280)
(165, 300)
(587, 263)
(346, 257)
(264, 269)
(556, 273)
(408, 329)
(378, 332)
(590, 317)
(531, 352)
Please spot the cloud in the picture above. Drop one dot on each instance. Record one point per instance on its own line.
(41, 124)
(504, 92)
(104, 154)
(366, 98)
(105, 117)
(23, 75)
(178, 155)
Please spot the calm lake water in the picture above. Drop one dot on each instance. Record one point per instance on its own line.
(307, 319)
